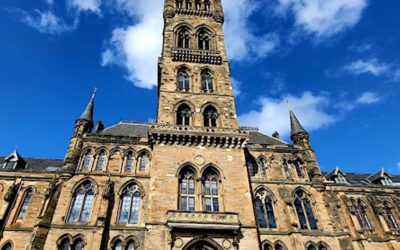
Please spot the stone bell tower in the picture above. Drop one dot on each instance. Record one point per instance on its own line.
(194, 77)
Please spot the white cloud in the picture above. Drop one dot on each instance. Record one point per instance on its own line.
(273, 114)
(236, 85)
(242, 43)
(85, 5)
(368, 98)
(323, 18)
(372, 66)
(137, 47)
(45, 22)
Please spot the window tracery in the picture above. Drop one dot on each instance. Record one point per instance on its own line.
(211, 201)
(360, 210)
(262, 167)
(87, 159)
(183, 79)
(210, 116)
(304, 211)
(143, 161)
(265, 210)
(82, 202)
(129, 205)
(187, 190)
(207, 81)
(203, 39)
(183, 115)
(389, 217)
(129, 162)
(100, 160)
(183, 36)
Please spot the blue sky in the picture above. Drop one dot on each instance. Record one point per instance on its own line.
(335, 61)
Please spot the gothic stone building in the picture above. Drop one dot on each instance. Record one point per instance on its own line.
(194, 179)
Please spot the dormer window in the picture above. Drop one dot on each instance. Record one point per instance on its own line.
(340, 179)
(386, 181)
(9, 165)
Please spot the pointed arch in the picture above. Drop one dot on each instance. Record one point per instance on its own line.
(129, 160)
(210, 116)
(129, 205)
(279, 245)
(311, 246)
(183, 78)
(143, 160)
(264, 204)
(183, 36)
(8, 245)
(286, 168)
(86, 158)
(388, 216)
(261, 162)
(101, 158)
(267, 245)
(360, 211)
(201, 242)
(207, 80)
(187, 188)
(323, 246)
(27, 195)
(211, 189)
(64, 242)
(82, 202)
(204, 38)
(304, 209)
(251, 164)
(183, 115)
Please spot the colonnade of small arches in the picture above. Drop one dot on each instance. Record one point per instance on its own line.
(127, 161)
(204, 5)
(276, 168)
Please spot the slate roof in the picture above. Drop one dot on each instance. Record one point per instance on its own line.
(361, 179)
(295, 125)
(259, 138)
(127, 129)
(34, 164)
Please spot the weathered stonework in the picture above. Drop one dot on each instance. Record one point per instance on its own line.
(261, 187)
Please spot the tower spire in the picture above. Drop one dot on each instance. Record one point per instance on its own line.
(88, 112)
(295, 125)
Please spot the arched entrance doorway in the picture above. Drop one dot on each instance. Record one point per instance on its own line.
(202, 244)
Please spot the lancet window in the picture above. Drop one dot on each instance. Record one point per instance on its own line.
(187, 189)
(183, 79)
(25, 203)
(129, 162)
(143, 161)
(299, 171)
(87, 158)
(304, 211)
(265, 210)
(389, 217)
(203, 39)
(183, 37)
(7, 246)
(100, 160)
(207, 83)
(82, 202)
(210, 116)
(360, 210)
(286, 169)
(129, 205)
(262, 167)
(183, 115)
(210, 187)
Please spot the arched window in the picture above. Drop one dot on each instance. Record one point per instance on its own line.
(267, 246)
(261, 166)
(7, 246)
(82, 202)
(117, 245)
(64, 245)
(130, 245)
(207, 84)
(187, 190)
(189, 4)
(25, 203)
(323, 246)
(279, 246)
(311, 246)
(143, 161)
(100, 160)
(360, 210)
(299, 171)
(129, 206)
(286, 169)
(210, 116)
(304, 211)
(203, 39)
(183, 115)
(211, 191)
(251, 167)
(197, 4)
(183, 79)
(87, 159)
(78, 244)
(129, 162)
(207, 5)
(183, 37)
(265, 210)
(389, 218)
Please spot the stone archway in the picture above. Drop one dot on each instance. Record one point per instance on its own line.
(202, 244)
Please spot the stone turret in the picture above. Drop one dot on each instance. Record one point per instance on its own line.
(83, 125)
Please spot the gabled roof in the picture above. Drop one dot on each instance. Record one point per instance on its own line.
(17, 159)
(378, 175)
(259, 138)
(334, 172)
